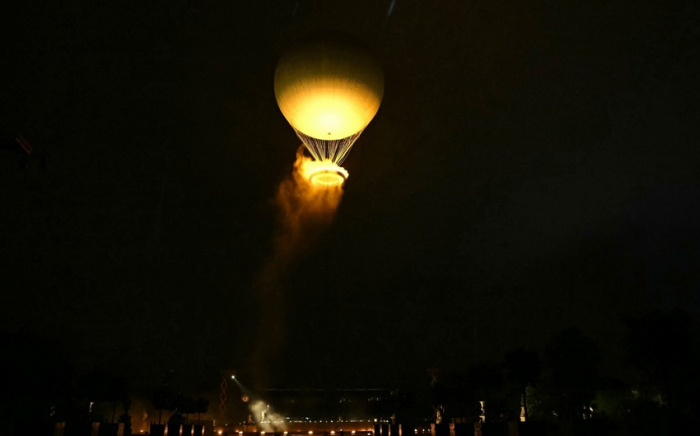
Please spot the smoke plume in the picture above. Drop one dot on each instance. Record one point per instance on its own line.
(304, 212)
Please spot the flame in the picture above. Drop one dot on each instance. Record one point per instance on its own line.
(323, 173)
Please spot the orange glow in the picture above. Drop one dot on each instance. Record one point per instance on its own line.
(323, 173)
(331, 111)
(329, 88)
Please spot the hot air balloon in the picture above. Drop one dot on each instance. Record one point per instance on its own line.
(329, 88)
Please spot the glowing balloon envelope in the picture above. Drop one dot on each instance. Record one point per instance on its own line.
(329, 88)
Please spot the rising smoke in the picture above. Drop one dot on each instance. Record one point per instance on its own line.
(304, 212)
(266, 418)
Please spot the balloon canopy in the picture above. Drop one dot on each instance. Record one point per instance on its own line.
(329, 88)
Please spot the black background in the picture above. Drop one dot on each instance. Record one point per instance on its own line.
(532, 167)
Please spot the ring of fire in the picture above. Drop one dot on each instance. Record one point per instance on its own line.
(324, 173)
(327, 178)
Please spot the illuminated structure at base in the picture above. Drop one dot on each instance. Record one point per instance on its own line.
(223, 397)
(319, 412)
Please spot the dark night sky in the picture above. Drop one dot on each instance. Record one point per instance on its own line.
(532, 167)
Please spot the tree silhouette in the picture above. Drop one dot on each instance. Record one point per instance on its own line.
(37, 386)
(664, 347)
(99, 386)
(570, 376)
(188, 405)
(125, 418)
(460, 392)
(522, 368)
(202, 404)
(161, 399)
